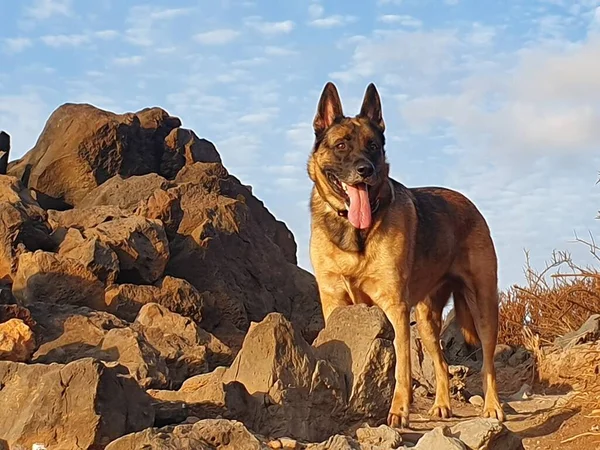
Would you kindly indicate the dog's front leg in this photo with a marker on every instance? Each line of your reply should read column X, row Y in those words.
column 398, row 313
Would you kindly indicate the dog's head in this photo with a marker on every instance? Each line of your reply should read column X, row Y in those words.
column 347, row 164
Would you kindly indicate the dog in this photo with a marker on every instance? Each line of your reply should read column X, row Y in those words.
column 377, row 242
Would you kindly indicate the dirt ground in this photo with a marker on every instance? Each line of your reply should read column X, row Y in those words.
column 544, row 421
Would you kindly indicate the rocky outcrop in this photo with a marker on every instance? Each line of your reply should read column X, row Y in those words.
column 80, row 405
column 17, row 341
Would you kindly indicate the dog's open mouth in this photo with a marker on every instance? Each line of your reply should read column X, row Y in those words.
column 357, row 201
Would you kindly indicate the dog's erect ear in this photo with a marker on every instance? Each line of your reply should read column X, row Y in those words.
column 329, row 109
column 371, row 107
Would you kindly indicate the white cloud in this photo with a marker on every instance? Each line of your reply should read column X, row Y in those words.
column 128, row 60
column 44, row 9
column 146, row 23
column 65, row 40
column 272, row 50
column 217, row 37
column 260, row 117
column 169, row 13
column 16, row 45
column 336, row 20
column 315, row 10
column 106, row 34
column 269, row 28
column 400, row 19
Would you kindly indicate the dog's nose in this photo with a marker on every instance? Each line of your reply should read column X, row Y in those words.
column 365, row 170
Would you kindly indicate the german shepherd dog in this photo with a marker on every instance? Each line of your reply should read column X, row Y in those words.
column 377, row 242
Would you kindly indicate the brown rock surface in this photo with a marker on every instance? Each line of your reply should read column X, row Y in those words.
column 23, row 226
column 17, row 341
column 125, row 193
column 94, row 254
column 81, row 147
column 208, row 434
column 81, row 405
column 179, row 296
column 140, row 244
column 53, row 278
column 358, row 340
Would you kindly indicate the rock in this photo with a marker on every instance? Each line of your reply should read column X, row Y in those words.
column 439, row 439
column 358, row 340
column 183, row 147
column 208, row 434
column 23, row 226
column 83, row 218
column 81, row 147
column 125, row 193
column 17, row 341
column 337, row 442
column 129, row 349
column 520, row 356
column 526, row 392
column 307, row 395
column 486, row 434
column 140, row 244
column 207, row 396
column 380, row 437
column 456, row 350
column 53, row 278
column 422, row 368
column 95, row 255
column 588, row 332
column 304, row 396
column 83, row 404
column 164, row 206
column 502, row 354
column 227, row 247
column 179, row 296
column 477, row 401
column 187, row 349
column 12, row 311
column 67, row 333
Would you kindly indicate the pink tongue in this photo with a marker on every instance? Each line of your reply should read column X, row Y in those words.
column 359, row 213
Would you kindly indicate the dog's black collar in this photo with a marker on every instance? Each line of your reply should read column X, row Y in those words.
column 374, row 209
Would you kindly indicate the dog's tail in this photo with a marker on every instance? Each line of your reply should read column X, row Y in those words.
column 464, row 318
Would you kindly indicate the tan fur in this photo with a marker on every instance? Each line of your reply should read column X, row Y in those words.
column 424, row 245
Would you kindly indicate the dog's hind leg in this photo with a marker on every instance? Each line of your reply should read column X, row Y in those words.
column 429, row 322
column 480, row 296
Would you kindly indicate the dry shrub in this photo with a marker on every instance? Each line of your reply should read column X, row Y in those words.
column 552, row 303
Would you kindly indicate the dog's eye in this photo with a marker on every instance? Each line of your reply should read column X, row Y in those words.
column 340, row 146
column 373, row 146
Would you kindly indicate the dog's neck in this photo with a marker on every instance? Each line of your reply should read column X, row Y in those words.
column 340, row 230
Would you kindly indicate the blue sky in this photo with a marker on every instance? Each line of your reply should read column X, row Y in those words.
column 500, row 100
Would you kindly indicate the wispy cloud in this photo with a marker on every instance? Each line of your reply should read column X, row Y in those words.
column 16, row 45
column 404, row 20
column 65, row 40
column 269, row 28
column 44, row 9
column 336, row 20
column 217, row 37
column 128, row 60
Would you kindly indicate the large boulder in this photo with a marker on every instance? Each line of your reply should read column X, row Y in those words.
column 140, row 244
column 208, row 434
column 125, row 193
column 80, row 405
column 81, row 147
column 23, row 226
column 224, row 248
column 359, row 340
column 179, row 296
column 53, row 278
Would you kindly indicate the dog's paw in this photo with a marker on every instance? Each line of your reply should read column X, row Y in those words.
column 398, row 419
column 494, row 412
column 441, row 411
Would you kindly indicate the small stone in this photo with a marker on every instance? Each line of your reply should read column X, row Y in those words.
column 476, row 400
column 380, row 437
column 276, row 444
column 17, row 341
column 438, row 439
column 525, row 393
column 289, row 443
column 421, row 391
